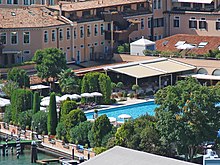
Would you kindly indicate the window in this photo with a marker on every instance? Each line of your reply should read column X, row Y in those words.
column 158, row 22
column 15, row 2
column 3, row 38
column 159, row 4
column 142, row 23
column 202, row 23
column 26, row 52
column 9, row 1
column 88, row 31
column 96, row 30
column 202, row 44
column 96, row 43
column 67, row 33
column 217, row 24
column 14, row 37
column 193, row 23
column 68, row 48
column 185, row 4
column 0, row 1
column 74, row 33
column 32, row 2
column 149, row 22
column 102, row 29
column 82, row 46
column 26, row 2
column 61, row 34
column 102, row 43
column 53, row 36
column 176, row 22
column 155, row 4
column 26, row 37
column 51, row 2
column 45, row 36
column 81, row 32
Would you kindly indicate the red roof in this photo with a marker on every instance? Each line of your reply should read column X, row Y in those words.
column 168, row 44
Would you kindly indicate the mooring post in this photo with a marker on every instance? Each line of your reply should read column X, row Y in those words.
column 88, row 155
column 33, row 152
column 3, row 150
column 73, row 153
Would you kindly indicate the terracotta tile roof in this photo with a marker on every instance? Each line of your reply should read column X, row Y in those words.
column 93, row 4
column 24, row 17
column 213, row 43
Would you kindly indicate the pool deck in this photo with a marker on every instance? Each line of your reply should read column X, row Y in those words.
column 129, row 101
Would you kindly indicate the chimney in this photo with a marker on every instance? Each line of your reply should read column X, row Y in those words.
column 60, row 11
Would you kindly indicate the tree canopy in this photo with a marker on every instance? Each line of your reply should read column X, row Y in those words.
column 50, row 62
column 187, row 115
column 19, row 76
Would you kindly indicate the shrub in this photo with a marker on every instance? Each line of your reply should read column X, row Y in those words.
column 66, row 107
column 131, row 95
column 39, row 120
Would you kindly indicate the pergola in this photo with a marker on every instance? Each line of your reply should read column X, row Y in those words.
column 151, row 68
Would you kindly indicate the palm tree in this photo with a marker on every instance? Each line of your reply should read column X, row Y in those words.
column 68, row 81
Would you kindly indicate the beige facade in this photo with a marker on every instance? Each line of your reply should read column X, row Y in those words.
column 27, row 2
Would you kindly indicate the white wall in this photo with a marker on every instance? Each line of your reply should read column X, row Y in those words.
column 137, row 50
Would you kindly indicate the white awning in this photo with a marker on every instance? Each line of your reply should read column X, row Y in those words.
column 203, row 77
column 194, row 1
column 35, row 87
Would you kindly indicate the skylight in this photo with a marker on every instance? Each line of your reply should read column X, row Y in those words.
column 180, row 43
column 202, row 44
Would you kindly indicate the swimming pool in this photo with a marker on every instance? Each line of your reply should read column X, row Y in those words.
column 134, row 110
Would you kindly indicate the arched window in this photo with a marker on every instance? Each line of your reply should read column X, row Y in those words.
column 202, row 71
column 216, row 72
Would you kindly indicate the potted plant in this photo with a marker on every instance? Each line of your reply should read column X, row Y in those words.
column 95, row 114
column 135, row 88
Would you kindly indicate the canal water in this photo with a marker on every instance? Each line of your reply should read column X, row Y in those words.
column 24, row 159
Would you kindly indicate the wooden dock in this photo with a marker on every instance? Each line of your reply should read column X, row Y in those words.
column 47, row 161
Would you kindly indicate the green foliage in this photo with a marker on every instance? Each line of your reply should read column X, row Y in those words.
column 80, row 132
column 105, row 87
column 113, row 86
column 36, row 103
column 213, row 53
column 49, row 62
column 187, row 115
column 21, row 100
column 39, row 121
column 74, row 118
column 7, row 115
column 100, row 128
column 24, row 119
column 151, row 52
column 20, row 76
column 9, row 87
column 120, row 85
column 135, row 88
column 61, row 131
column 52, row 115
column 123, row 48
column 99, row 82
column 99, row 150
column 66, row 107
column 68, row 81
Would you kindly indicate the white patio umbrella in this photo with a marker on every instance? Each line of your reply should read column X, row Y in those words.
column 4, row 102
column 43, row 108
column 86, row 95
column 45, row 103
column 58, row 99
column 76, row 95
column 64, row 97
column 124, row 116
column 96, row 94
column 112, row 119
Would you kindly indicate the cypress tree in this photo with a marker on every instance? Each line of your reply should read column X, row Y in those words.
column 36, row 103
column 52, row 115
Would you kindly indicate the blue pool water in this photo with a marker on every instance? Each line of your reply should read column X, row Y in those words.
column 134, row 110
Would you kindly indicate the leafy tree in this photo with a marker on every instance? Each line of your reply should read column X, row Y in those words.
column 105, row 87
column 66, row 107
column 74, row 118
column 68, row 81
column 7, row 115
column 123, row 48
column 50, row 62
column 61, row 131
column 39, row 121
column 99, row 150
column 100, row 128
column 120, row 85
column 36, row 103
column 9, row 87
column 113, row 86
column 24, row 119
column 20, row 76
column 21, row 100
column 52, row 115
column 135, row 88
column 187, row 115
column 80, row 132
